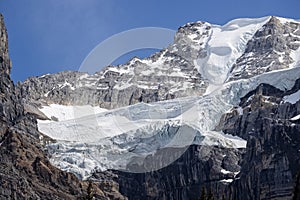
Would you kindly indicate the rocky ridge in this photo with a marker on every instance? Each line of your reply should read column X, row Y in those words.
column 165, row 75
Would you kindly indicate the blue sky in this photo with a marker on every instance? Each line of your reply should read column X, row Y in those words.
column 49, row 36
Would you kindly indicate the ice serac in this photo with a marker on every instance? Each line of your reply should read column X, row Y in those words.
column 271, row 48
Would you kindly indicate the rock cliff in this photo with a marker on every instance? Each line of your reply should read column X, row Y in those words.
column 25, row 171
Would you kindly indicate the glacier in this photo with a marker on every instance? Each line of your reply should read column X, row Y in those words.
column 90, row 138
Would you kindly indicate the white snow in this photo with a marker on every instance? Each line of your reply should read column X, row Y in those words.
column 122, row 85
column 62, row 112
column 225, row 171
column 43, row 76
column 285, row 20
column 227, row 180
column 225, row 45
column 295, row 55
column 66, row 84
column 240, row 110
column 236, row 173
column 293, row 98
column 297, row 117
column 47, row 93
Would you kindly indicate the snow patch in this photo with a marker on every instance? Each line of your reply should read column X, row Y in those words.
column 223, row 171
column 227, row 180
column 297, row 117
column 293, row 98
column 62, row 112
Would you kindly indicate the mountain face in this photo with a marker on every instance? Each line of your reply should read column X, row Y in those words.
column 23, row 163
column 168, row 74
column 270, row 124
column 216, row 111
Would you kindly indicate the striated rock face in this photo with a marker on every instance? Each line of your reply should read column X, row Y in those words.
column 271, row 46
column 208, row 167
column 137, row 81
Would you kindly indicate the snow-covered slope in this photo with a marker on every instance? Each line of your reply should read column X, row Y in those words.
column 227, row 43
column 207, row 70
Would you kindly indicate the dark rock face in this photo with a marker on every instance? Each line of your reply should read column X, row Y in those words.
column 271, row 163
column 199, row 167
column 9, row 109
column 4, row 58
column 25, row 171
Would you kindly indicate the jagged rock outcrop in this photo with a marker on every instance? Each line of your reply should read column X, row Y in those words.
column 180, row 70
column 9, row 109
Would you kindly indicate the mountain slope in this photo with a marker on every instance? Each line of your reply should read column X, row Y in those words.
column 206, row 91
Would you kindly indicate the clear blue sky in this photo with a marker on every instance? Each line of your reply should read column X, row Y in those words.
column 47, row 36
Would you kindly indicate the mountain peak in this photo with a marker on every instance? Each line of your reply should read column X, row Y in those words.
column 274, row 46
column 274, row 19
